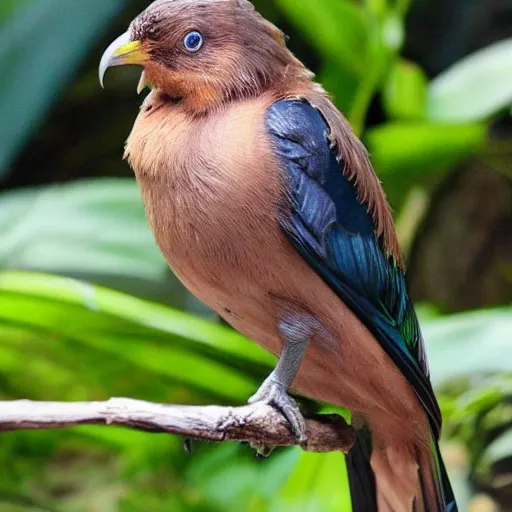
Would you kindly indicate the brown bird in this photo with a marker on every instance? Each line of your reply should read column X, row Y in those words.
column 267, row 208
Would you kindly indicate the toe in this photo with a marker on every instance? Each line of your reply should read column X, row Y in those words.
column 274, row 394
column 296, row 421
column 291, row 412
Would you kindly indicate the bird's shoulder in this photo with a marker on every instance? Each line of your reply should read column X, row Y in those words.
column 314, row 171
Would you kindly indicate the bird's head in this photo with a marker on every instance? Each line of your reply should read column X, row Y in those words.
column 203, row 52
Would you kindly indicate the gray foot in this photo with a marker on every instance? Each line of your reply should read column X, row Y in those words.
column 275, row 394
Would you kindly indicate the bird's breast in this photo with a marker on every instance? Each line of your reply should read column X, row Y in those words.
column 211, row 189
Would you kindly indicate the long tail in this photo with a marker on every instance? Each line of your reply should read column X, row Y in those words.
column 386, row 485
column 436, row 490
column 363, row 489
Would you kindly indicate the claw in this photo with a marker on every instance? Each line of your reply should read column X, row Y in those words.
column 273, row 393
column 262, row 452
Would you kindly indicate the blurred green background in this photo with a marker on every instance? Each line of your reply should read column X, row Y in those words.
column 88, row 309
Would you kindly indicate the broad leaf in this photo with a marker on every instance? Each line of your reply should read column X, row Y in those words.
column 343, row 36
column 92, row 227
column 318, row 482
column 406, row 154
column 405, row 91
column 475, row 88
column 147, row 336
column 469, row 344
column 41, row 47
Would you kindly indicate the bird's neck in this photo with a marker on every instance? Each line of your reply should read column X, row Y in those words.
column 200, row 95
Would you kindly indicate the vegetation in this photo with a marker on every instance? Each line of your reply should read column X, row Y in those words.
column 88, row 309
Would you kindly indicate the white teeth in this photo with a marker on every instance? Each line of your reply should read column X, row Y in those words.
column 142, row 83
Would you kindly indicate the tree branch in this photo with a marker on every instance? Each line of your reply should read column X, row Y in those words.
column 258, row 423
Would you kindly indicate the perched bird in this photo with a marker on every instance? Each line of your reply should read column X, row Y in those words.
column 266, row 206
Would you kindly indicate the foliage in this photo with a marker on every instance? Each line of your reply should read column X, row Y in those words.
column 64, row 32
column 475, row 88
column 65, row 338
column 173, row 356
column 56, row 229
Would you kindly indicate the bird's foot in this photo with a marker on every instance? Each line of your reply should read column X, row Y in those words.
column 275, row 394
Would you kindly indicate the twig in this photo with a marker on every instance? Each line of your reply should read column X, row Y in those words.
column 258, row 423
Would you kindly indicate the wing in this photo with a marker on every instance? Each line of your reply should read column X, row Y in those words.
column 335, row 234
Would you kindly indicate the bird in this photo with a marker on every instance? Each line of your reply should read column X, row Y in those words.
column 266, row 206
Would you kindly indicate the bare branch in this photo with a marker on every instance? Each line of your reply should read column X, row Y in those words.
column 258, row 423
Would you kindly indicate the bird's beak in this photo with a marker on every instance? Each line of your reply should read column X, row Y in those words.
column 124, row 51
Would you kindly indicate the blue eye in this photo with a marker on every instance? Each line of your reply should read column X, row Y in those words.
column 193, row 41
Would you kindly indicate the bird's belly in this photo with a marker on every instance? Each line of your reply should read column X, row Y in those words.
column 244, row 268
column 237, row 279
column 344, row 365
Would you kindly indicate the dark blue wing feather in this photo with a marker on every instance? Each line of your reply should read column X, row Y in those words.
column 334, row 233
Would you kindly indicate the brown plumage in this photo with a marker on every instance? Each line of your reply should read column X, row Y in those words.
column 252, row 60
column 213, row 189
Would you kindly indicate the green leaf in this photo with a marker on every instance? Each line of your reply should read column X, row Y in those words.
column 380, row 58
column 469, row 344
column 151, row 337
column 16, row 502
column 475, row 88
column 405, row 91
column 94, row 227
column 475, row 401
column 41, row 47
column 233, row 479
column 413, row 149
column 343, row 37
column 341, row 84
column 9, row 7
column 406, row 154
column 318, row 482
column 378, row 8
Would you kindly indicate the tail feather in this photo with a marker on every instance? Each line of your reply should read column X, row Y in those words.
column 433, row 493
column 363, row 489
column 436, row 490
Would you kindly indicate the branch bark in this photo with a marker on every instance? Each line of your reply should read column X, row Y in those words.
column 258, row 424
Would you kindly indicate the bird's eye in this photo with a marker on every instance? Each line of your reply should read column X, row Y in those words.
column 193, row 41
